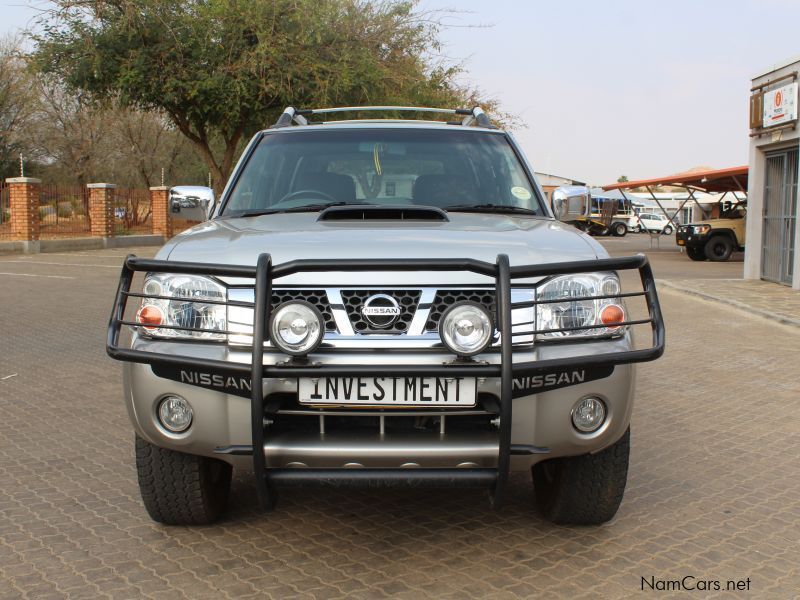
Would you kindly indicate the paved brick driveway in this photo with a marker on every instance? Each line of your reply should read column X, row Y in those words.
column 714, row 488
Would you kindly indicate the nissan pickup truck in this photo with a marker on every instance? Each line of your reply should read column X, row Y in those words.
column 382, row 302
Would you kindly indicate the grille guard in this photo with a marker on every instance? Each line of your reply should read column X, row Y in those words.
column 265, row 273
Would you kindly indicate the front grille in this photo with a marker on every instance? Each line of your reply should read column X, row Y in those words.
column 406, row 299
column 316, row 297
column 446, row 298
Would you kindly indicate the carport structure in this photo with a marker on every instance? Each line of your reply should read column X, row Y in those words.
column 724, row 181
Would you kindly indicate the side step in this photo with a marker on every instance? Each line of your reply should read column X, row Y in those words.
column 465, row 478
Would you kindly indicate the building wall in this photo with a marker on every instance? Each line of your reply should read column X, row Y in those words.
column 549, row 182
column 759, row 147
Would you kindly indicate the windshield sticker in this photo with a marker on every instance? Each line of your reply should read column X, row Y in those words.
column 521, row 193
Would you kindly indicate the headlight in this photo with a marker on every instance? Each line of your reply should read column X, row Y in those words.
column 579, row 317
column 296, row 327
column 179, row 302
column 701, row 229
column 466, row 328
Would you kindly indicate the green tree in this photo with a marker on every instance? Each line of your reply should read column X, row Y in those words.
column 622, row 179
column 223, row 69
column 16, row 102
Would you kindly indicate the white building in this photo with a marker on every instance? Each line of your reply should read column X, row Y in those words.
column 773, row 235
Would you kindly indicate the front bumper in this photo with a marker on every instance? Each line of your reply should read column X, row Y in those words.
column 531, row 423
column 222, row 420
column 684, row 237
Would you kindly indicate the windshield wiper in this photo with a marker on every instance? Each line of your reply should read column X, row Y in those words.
column 490, row 208
column 294, row 209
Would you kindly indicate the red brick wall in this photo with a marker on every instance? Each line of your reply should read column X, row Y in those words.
column 101, row 208
column 162, row 216
column 24, row 207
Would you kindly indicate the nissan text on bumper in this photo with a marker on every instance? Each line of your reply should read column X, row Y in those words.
column 372, row 324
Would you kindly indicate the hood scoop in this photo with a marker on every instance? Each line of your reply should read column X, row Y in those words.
column 401, row 212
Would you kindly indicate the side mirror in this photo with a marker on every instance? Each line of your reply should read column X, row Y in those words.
column 192, row 202
column 571, row 203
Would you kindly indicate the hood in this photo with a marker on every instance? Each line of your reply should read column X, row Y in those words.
column 717, row 222
column 290, row 236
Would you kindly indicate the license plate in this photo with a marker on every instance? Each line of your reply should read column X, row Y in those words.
column 389, row 391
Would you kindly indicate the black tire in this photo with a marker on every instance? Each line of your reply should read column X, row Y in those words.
column 181, row 489
column 583, row 490
column 619, row 229
column 667, row 230
column 642, row 228
column 719, row 248
column 695, row 253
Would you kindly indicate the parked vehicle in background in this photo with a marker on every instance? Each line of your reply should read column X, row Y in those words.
column 606, row 216
column 622, row 215
column 716, row 239
column 652, row 222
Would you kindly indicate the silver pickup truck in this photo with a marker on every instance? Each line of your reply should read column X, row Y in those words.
column 382, row 302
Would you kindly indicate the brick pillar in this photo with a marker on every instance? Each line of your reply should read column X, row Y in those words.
column 162, row 216
column 24, row 207
column 101, row 209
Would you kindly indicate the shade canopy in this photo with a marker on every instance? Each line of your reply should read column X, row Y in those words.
column 732, row 179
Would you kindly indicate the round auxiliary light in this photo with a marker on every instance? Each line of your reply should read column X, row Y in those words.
column 150, row 316
column 175, row 414
column 296, row 327
column 466, row 328
column 588, row 414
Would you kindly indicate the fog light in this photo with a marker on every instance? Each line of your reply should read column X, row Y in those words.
column 588, row 414
column 175, row 414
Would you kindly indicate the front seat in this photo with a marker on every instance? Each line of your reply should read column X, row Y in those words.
column 339, row 187
column 444, row 190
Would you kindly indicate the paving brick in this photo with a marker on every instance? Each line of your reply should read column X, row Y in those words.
column 714, row 485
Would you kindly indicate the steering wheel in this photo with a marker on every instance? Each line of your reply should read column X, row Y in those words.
column 305, row 193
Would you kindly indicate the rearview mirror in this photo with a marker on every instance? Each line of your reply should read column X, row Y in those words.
column 571, row 203
column 192, row 202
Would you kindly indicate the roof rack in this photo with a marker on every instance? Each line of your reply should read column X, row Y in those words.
column 472, row 116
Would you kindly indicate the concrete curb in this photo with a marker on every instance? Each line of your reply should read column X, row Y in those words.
column 772, row 316
column 84, row 243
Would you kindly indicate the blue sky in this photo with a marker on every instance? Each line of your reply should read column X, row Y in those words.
column 640, row 88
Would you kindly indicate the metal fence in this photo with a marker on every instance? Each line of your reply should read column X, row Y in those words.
column 132, row 211
column 179, row 224
column 64, row 211
column 5, row 211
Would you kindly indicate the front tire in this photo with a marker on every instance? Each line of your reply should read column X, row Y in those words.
column 719, row 248
column 583, row 490
column 695, row 253
column 620, row 229
column 181, row 489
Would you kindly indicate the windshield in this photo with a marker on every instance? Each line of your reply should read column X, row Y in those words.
column 456, row 170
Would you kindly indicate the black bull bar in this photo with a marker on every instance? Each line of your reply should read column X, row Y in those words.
column 265, row 273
